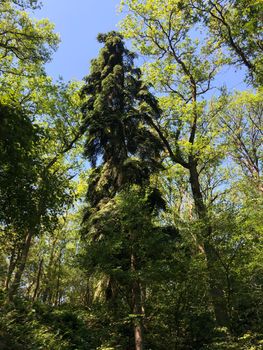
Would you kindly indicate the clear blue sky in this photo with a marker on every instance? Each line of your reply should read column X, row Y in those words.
column 78, row 22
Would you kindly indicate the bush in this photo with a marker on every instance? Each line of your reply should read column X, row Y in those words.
column 33, row 327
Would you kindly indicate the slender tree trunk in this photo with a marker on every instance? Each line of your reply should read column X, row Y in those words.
column 39, row 272
column 215, row 287
column 216, row 290
column 21, row 265
column 138, row 336
column 11, row 268
column 87, row 298
column 47, row 290
column 29, row 288
column 137, row 307
column 57, row 294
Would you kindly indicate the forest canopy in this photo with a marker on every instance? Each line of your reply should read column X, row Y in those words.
column 131, row 200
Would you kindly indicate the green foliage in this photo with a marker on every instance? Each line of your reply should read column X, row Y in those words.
column 225, row 341
column 39, row 120
column 26, row 326
column 172, row 224
column 18, row 165
column 236, row 25
column 22, row 39
column 116, row 109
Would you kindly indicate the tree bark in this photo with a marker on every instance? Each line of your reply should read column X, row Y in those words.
column 136, row 307
column 215, row 287
column 38, row 279
column 21, row 265
column 11, row 267
column 47, row 293
column 58, row 292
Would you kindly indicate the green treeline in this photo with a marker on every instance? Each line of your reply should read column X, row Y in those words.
column 131, row 202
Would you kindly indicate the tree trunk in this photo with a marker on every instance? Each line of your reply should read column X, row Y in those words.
column 137, row 307
column 58, row 293
column 21, row 265
column 47, row 293
column 11, row 268
column 38, row 279
column 215, row 287
column 138, row 336
column 216, row 291
column 87, row 298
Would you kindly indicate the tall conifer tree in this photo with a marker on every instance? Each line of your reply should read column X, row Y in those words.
column 119, row 143
column 124, row 152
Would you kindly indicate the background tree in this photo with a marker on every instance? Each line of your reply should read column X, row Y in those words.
column 29, row 174
column 52, row 171
column 23, row 40
column 235, row 25
column 183, row 69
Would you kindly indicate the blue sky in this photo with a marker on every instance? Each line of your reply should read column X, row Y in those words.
column 78, row 22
